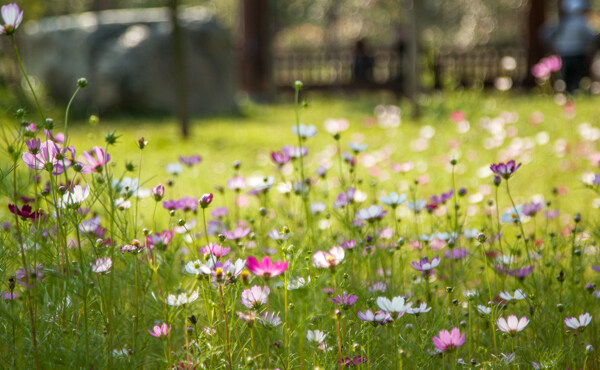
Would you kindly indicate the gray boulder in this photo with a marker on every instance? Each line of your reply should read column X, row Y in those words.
column 127, row 57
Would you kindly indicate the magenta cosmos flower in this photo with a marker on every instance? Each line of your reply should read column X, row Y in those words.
column 505, row 170
column 266, row 268
column 12, row 16
column 95, row 160
column 447, row 341
column 160, row 330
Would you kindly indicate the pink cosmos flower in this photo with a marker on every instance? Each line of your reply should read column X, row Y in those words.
column 512, row 325
column 160, row 331
column 215, row 250
column 447, row 341
column 50, row 156
column 255, row 296
column 205, row 200
column 266, row 268
column 95, row 160
column 505, row 170
column 236, row 183
column 238, row 233
column 160, row 240
column 329, row 259
column 12, row 16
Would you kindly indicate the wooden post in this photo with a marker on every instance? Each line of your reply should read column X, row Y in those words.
column 254, row 49
column 179, row 70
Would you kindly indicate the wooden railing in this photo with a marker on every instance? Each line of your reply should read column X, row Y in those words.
column 324, row 69
column 332, row 69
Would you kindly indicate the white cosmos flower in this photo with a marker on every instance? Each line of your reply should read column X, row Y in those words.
column 297, row 282
column 512, row 325
column 101, row 265
column 304, row 131
column 396, row 305
column 122, row 204
column 74, row 197
column 181, row 299
column 329, row 259
column 484, row 310
column 316, row 336
column 393, row 199
column 419, row 310
column 577, row 323
column 174, row 168
column 518, row 295
column 197, row 268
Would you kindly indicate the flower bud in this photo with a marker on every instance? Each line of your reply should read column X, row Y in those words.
column 205, row 200
column 497, row 180
column 158, row 192
column 82, row 83
column 141, row 143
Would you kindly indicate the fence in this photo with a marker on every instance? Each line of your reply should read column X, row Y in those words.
column 332, row 69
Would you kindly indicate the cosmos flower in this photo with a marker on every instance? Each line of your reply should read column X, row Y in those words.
column 74, row 197
column 516, row 296
column 316, row 336
column 190, row 160
column 95, row 160
column 422, row 308
column 181, row 299
column 397, row 306
column 197, row 268
column 356, row 147
column 205, row 200
column 505, row 170
column 393, row 199
column 514, row 215
column 102, row 265
column 379, row 317
column 255, row 297
column 447, row 341
column 304, row 131
column 373, row 213
column 160, row 240
column 266, row 268
column 346, row 300
column 215, row 250
column 484, row 310
column 336, row 125
column 531, row 209
column 425, row 266
column 12, row 17
column 512, row 325
column 297, row 282
column 25, row 212
column 270, row 319
column 329, row 259
column 578, row 323
column 236, row 183
column 158, row 192
column 51, row 157
column 280, row 158
column 160, row 331
column 237, row 234
column 416, row 206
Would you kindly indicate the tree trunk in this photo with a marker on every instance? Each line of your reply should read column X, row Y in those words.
column 102, row 5
column 179, row 55
column 413, row 73
column 536, row 18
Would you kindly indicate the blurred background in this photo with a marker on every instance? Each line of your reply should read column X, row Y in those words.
column 143, row 56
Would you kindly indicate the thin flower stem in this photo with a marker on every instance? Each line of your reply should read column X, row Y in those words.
column 224, row 311
column 37, row 103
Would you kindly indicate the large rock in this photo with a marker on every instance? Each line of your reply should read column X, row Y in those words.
column 127, row 57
